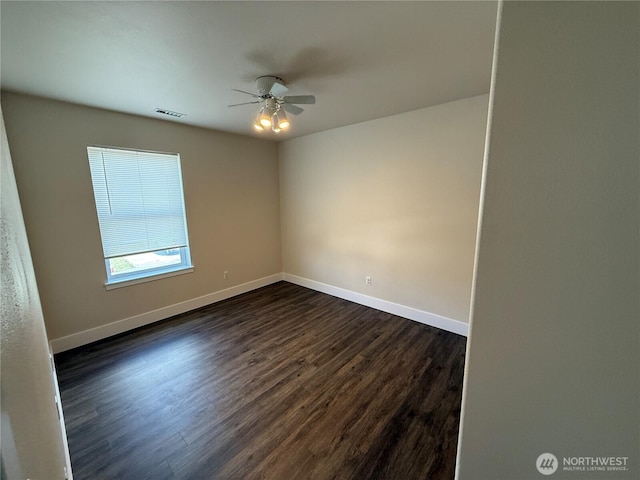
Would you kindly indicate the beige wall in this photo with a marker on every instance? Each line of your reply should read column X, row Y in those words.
column 554, row 354
column 395, row 199
column 231, row 195
column 32, row 440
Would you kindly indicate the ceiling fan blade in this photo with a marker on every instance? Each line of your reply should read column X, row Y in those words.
column 287, row 107
column 278, row 89
column 248, row 93
column 245, row 103
column 300, row 99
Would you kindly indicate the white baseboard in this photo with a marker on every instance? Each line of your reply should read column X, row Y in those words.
column 104, row 331
column 431, row 319
column 94, row 334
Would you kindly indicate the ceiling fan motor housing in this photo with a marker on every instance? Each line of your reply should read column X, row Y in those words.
column 271, row 85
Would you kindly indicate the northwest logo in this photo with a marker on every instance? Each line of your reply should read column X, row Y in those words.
column 547, row 463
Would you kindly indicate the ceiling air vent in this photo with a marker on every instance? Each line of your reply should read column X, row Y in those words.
column 170, row 113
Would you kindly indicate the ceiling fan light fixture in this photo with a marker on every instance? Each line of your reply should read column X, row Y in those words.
column 257, row 125
column 264, row 119
column 279, row 121
column 283, row 121
column 271, row 115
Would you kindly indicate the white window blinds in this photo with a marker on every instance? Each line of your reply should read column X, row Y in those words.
column 139, row 200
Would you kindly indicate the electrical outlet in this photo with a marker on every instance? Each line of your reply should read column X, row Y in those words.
column 226, row 275
column 367, row 281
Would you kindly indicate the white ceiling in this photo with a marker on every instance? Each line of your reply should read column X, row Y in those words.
column 362, row 60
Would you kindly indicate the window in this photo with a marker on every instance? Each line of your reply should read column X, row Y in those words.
column 140, row 206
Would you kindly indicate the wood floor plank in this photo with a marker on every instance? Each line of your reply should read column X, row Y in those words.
column 279, row 383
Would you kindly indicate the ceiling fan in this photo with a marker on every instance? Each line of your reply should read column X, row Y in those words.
column 271, row 92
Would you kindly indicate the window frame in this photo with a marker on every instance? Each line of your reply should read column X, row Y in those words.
column 148, row 274
column 143, row 275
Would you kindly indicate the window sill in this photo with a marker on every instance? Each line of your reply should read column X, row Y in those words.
column 150, row 278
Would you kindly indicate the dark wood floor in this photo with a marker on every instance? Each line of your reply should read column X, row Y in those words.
column 281, row 383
